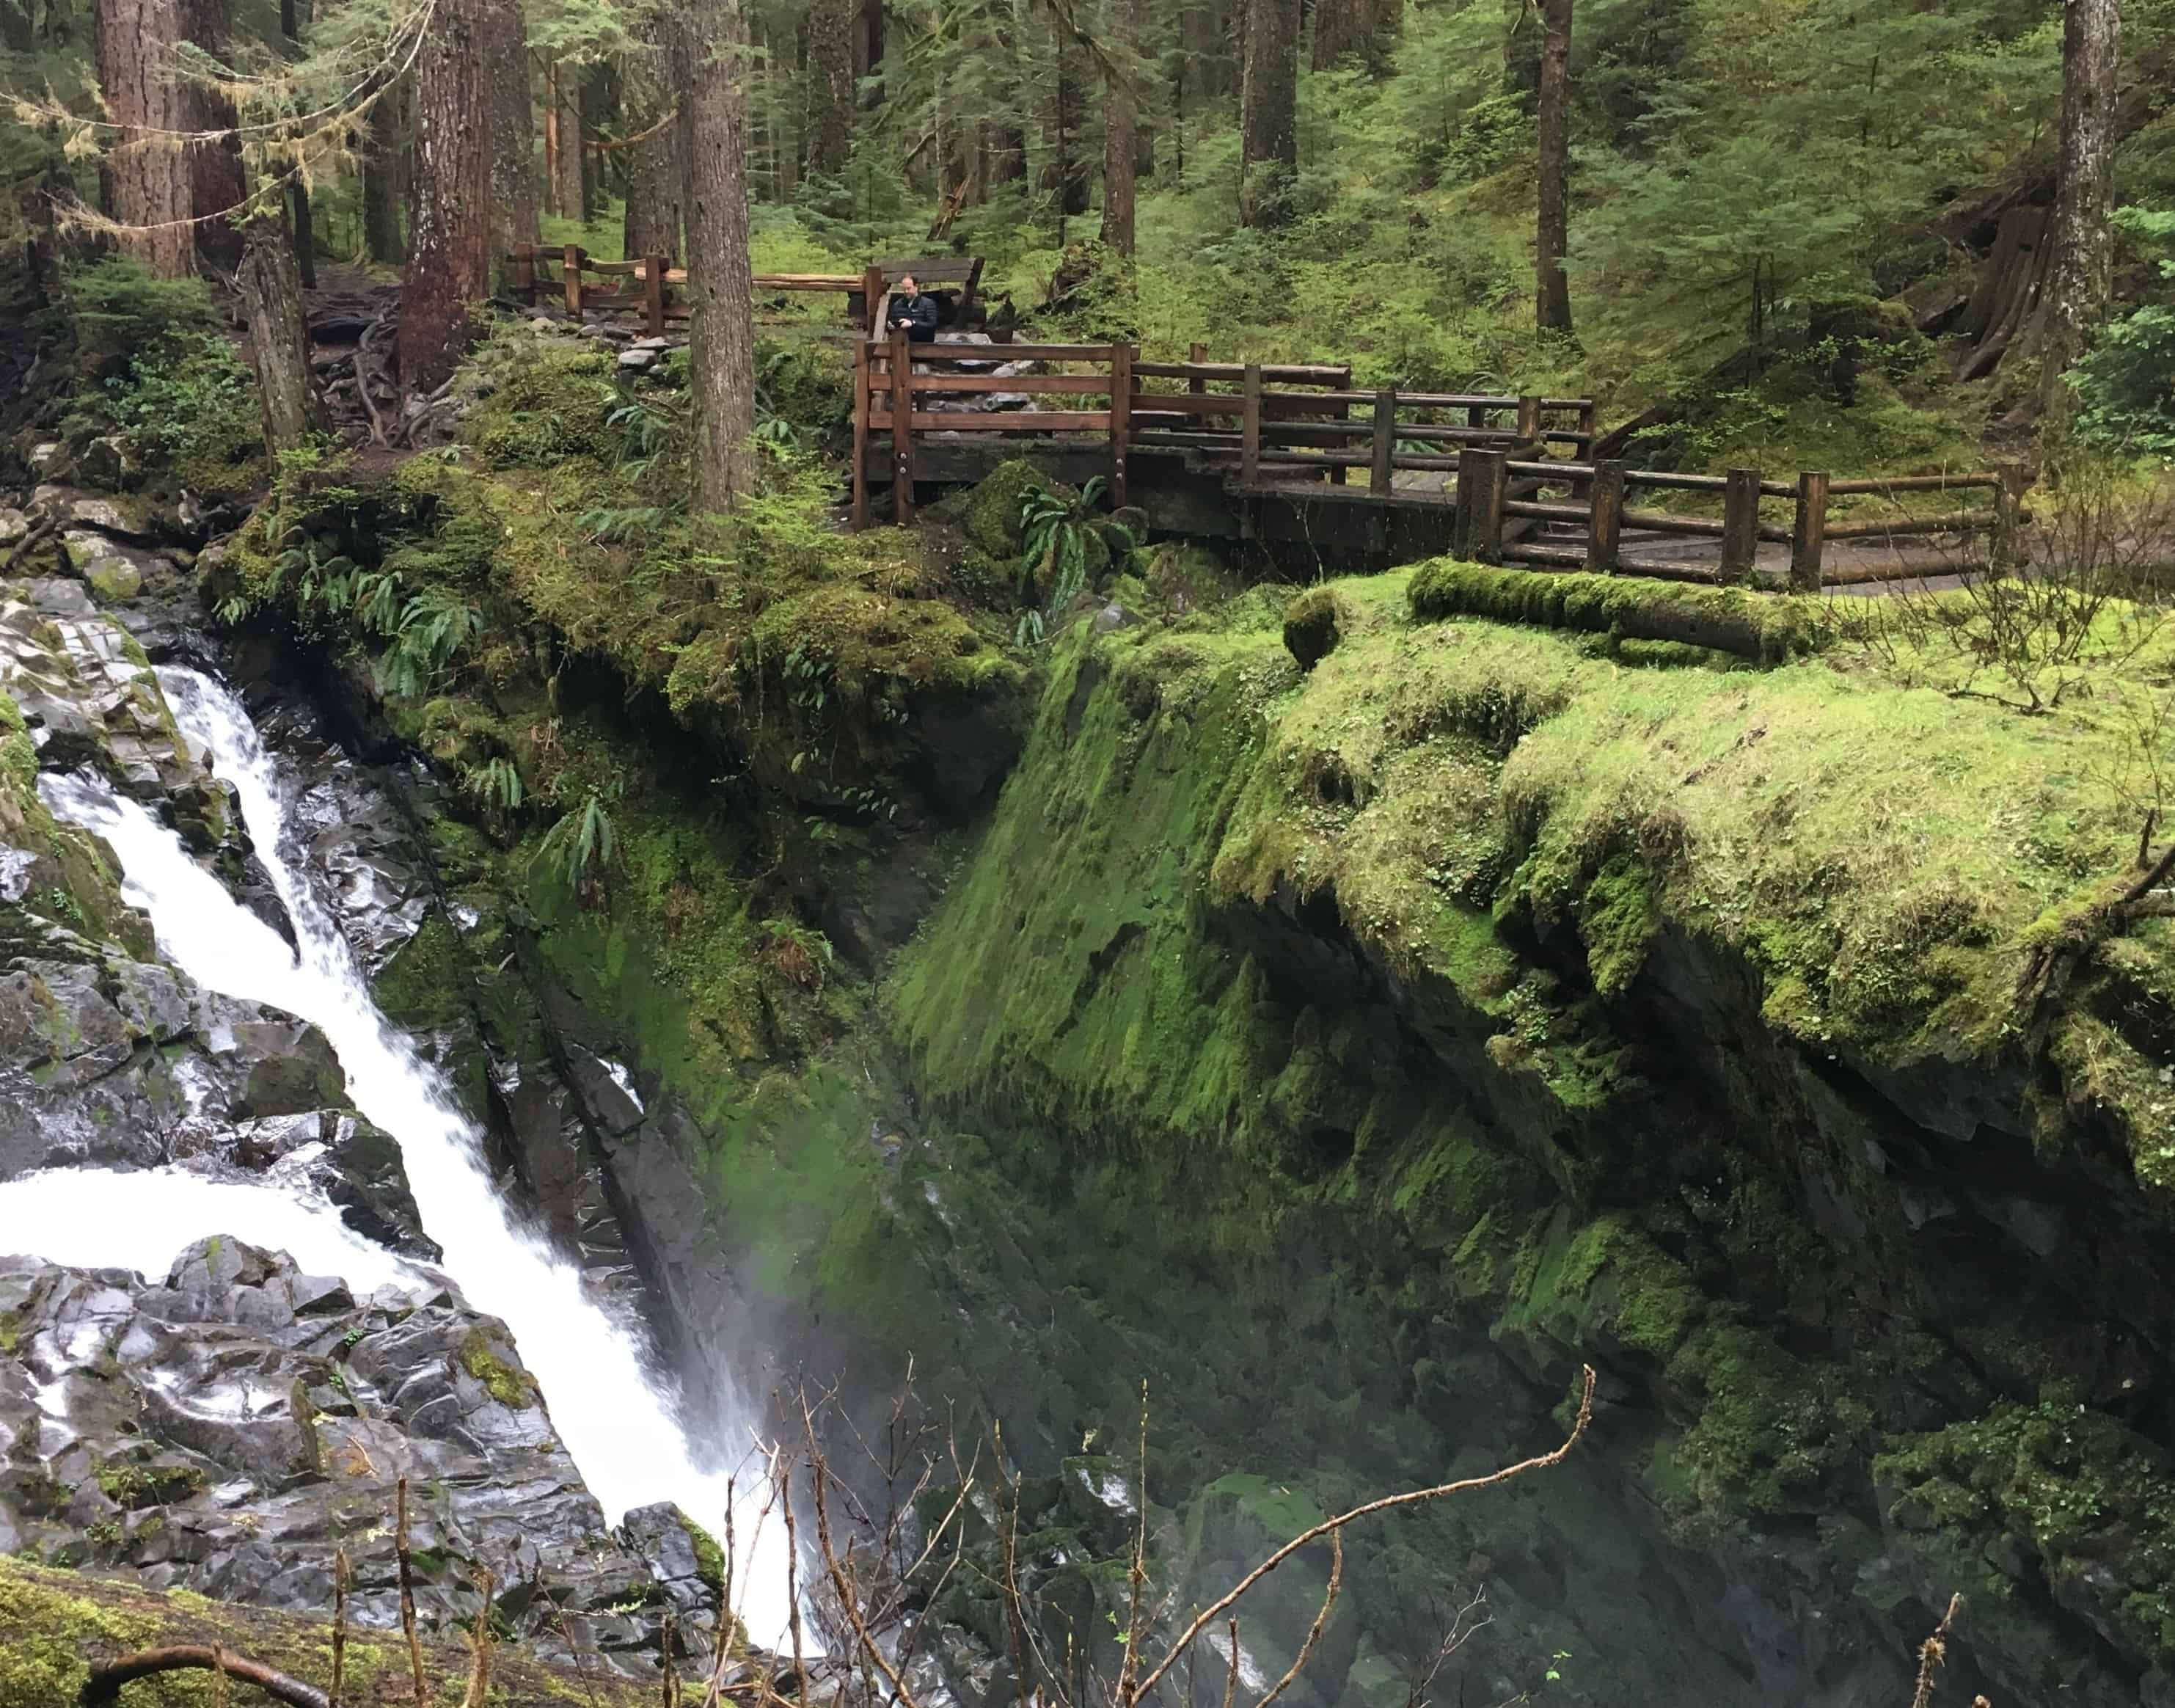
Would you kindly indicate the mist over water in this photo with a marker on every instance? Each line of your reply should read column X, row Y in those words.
column 619, row 1420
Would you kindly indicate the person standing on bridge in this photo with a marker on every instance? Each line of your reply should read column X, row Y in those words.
column 913, row 310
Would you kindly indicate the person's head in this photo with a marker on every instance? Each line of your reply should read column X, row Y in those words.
column 908, row 286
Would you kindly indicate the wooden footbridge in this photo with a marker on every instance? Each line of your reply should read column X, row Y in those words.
column 1293, row 457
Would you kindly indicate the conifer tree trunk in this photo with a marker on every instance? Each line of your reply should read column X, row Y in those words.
column 566, row 159
column 449, row 258
column 150, row 186
column 2080, row 269
column 599, row 99
column 1268, row 106
column 384, row 176
column 298, row 192
column 656, row 176
column 1120, row 125
column 720, row 290
column 271, row 288
column 216, row 184
column 1341, row 27
column 514, row 209
column 831, row 43
column 1552, row 291
column 869, row 42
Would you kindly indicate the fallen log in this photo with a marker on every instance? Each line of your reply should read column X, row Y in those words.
column 103, row 1688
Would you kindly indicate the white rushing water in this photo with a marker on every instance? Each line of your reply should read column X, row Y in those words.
column 619, row 1420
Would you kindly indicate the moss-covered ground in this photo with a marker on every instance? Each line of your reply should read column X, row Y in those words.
column 53, row 1625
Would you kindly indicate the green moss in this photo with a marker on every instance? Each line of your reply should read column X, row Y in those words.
column 1762, row 627
column 1310, row 626
column 508, row 1382
column 709, row 1557
column 2053, row 1492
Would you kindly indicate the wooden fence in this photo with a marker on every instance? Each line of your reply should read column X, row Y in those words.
column 1283, row 429
column 645, row 287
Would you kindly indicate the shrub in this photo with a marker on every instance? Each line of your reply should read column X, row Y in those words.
column 2125, row 385
column 188, row 405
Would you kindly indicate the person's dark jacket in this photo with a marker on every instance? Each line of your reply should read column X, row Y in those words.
column 917, row 314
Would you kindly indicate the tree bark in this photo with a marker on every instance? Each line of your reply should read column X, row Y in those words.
column 598, row 97
column 271, row 287
column 217, row 185
column 1120, row 125
column 720, row 292
column 150, row 186
column 656, row 177
column 2081, row 270
column 449, row 262
column 298, row 192
column 1551, row 290
column 513, row 200
column 831, row 24
column 1341, row 27
column 384, row 176
column 565, row 89
column 1268, row 106
column 868, row 44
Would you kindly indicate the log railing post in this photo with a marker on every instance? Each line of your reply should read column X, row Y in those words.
column 2008, row 506
column 524, row 271
column 1121, row 418
column 1809, row 532
column 861, row 401
column 1589, row 428
column 1604, row 536
column 1529, row 421
column 1740, row 524
column 653, row 293
column 1491, row 480
column 570, row 278
column 1250, row 428
column 872, row 290
column 1383, row 475
column 902, row 429
column 1195, row 383
column 1476, row 417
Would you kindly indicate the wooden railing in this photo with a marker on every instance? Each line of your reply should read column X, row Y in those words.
column 645, row 287
column 1487, row 505
column 1272, row 427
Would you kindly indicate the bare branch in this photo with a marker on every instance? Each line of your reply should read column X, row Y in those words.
column 1932, row 1652
column 1416, row 1497
column 103, row 1687
column 848, row 1600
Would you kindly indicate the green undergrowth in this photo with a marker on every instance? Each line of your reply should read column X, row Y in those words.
column 54, row 1624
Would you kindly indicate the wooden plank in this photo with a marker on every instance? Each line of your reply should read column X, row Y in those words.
column 860, row 511
column 1661, row 522
column 1537, row 510
column 1484, row 501
column 927, row 353
column 1282, row 373
column 1249, row 425
column 1914, row 483
column 902, row 425
column 1089, row 384
column 1903, row 527
column 1025, row 423
column 613, row 269
column 1740, row 522
column 1121, row 397
column 806, row 281
column 570, row 274
column 1604, row 517
column 1384, row 448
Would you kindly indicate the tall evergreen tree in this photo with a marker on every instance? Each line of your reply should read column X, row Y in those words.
column 513, row 197
column 1120, row 124
column 2080, row 269
column 449, row 255
column 1552, row 294
column 563, row 90
column 720, row 286
column 216, row 183
column 656, row 176
column 1268, row 120
column 151, row 188
column 830, row 38
column 385, row 176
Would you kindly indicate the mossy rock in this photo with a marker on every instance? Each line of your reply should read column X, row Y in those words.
column 1313, row 625
column 989, row 514
column 114, row 580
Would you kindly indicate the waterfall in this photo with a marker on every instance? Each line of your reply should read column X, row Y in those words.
column 619, row 1420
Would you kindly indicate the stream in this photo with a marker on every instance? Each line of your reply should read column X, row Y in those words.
column 618, row 1416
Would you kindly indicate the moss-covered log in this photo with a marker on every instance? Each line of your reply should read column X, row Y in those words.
column 1761, row 628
